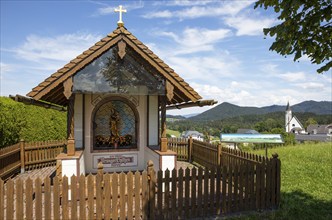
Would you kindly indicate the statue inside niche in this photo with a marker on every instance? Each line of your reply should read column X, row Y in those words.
column 114, row 125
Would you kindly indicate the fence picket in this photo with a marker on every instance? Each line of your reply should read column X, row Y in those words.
column 200, row 210
column 56, row 198
column 206, row 191
column 193, row 193
column 64, row 199
column 180, row 193
column 10, row 199
column 186, row 196
column 2, row 205
column 145, row 196
column 229, row 189
column 218, row 191
column 47, row 198
column 38, row 199
column 19, row 199
column 91, row 206
column 166, row 194
column 174, row 208
column 107, row 200
column 138, row 195
column 130, row 188
column 28, row 199
column 73, row 197
column 160, row 194
column 82, row 198
column 122, row 184
column 99, row 196
column 212, row 192
column 223, row 191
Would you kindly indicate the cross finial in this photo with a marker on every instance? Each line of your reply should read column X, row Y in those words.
column 120, row 10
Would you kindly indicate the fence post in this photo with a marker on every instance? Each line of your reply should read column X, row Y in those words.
column 22, row 153
column 219, row 154
column 190, row 148
column 100, row 172
column 151, row 185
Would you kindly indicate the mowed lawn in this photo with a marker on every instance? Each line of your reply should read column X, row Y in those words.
column 306, row 183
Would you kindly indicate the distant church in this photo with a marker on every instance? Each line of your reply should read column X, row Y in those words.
column 292, row 124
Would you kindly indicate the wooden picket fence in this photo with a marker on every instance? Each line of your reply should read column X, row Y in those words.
column 176, row 194
column 28, row 156
column 180, row 146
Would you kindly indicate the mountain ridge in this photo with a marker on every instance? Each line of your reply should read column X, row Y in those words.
column 228, row 110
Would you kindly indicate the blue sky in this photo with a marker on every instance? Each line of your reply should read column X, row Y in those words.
column 218, row 47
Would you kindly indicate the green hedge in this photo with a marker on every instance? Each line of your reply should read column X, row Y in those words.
column 29, row 122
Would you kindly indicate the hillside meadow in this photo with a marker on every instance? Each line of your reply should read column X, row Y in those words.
column 306, row 183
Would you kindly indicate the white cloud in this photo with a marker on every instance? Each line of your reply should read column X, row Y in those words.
column 194, row 40
column 293, row 76
column 246, row 25
column 4, row 68
column 311, row 85
column 58, row 48
column 220, row 8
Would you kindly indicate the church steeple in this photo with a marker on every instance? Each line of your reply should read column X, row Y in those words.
column 288, row 118
column 288, row 107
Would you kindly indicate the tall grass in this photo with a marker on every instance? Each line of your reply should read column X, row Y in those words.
column 306, row 183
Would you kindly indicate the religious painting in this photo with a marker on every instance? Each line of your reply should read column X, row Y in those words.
column 114, row 126
column 113, row 75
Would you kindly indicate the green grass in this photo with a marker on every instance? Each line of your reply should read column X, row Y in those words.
column 172, row 132
column 306, row 183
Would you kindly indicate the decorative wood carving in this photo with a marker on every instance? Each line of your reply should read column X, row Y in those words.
column 163, row 116
column 122, row 49
column 70, row 127
column 169, row 90
column 67, row 86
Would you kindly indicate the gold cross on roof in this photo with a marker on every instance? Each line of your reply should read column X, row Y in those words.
column 120, row 10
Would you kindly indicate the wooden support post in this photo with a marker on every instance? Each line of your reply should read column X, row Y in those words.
column 219, row 155
column 190, row 149
column 70, row 127
column 151, row 185
column 163, row 139
column 163, row 144
column 22, row 153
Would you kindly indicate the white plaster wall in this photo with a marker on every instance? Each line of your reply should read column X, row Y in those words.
column 82, row 165
column 69, row 168
column 151, row 155
column 78, row 122
column 90, row 102
column 168, row 162
column 153, row 120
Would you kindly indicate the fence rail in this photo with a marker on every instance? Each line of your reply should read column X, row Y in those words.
column 28, row 156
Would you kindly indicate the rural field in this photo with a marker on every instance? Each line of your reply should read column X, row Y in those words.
column 306, row 183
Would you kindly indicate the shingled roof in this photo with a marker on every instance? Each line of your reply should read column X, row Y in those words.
column 51, row 89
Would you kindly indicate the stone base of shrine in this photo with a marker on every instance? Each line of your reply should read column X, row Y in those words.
column 70, row 165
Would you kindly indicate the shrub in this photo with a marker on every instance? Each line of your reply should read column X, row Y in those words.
column 29, row 122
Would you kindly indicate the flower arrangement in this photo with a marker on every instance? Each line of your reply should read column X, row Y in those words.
column 125, row 140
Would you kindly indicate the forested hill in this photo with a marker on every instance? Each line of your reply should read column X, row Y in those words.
column 227, row 110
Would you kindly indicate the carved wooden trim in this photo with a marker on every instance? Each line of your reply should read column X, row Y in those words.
column 169, row 90
column 122, row 49
column 163, row 116
column 67, row 87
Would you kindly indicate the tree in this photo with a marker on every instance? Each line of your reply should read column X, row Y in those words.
column 305, row 29
column 310, row 121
